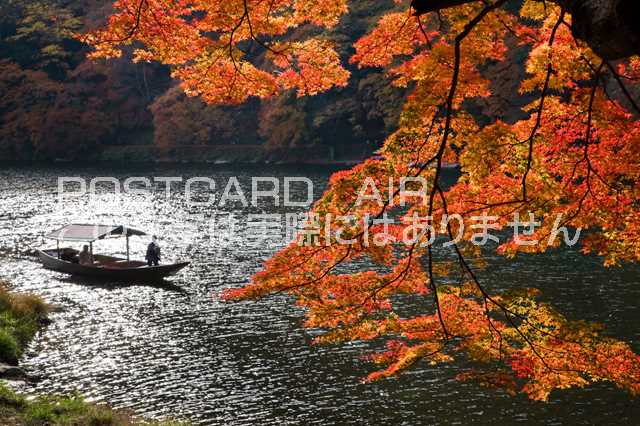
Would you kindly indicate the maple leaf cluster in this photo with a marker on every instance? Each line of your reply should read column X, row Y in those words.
column 212, row 45
column 576, row 155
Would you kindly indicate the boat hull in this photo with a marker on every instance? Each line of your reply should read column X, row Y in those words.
column 140, row 273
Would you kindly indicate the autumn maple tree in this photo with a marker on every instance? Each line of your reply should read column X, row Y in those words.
column 572, row 162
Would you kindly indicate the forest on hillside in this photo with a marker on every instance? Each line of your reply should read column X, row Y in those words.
column 55, row 104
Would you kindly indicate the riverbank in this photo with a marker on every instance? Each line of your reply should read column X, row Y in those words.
column 17, row 410
column 318, row 155
column 21, row 317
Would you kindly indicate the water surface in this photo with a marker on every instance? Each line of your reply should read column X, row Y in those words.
column 176, row 350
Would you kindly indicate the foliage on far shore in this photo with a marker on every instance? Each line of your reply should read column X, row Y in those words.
column 57, row 104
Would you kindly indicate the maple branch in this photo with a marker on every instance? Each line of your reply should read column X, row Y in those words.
column 607, row 26
column 421, row 7
column 319, row 278
column 137, row 16
column 585, row 157
column 615, row 74
column 445, row 137
column 424, row 33
column 538, row 121
column 461, row 258
column 434, row 289
column 623, row 87
column 508, row 313
column 399, row 277
column 592, row 98
column 485, row 295
column 253, row 36
column 389, row 40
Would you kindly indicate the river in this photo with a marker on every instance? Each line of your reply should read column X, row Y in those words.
column 176, row 350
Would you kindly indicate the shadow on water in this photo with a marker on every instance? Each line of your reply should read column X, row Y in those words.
column 93, row 282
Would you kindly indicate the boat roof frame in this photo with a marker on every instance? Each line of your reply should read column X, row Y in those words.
column 89, row 233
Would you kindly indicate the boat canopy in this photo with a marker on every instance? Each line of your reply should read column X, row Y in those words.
column 90, row 233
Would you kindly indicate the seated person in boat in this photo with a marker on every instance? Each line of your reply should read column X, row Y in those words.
column 153, row 252
column 85, row 256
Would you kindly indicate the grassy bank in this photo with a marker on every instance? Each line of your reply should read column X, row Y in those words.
column 16, row 410
column 21, row 316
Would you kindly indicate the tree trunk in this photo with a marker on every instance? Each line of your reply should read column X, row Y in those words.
column 609, row 27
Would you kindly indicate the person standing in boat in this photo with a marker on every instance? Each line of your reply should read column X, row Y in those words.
column 153, row 252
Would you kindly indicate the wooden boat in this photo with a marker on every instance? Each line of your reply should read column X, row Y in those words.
column 103, row 267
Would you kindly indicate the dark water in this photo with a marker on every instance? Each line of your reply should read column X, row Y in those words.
column 177, row 351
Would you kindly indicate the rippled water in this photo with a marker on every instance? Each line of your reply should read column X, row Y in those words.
column 175, row 350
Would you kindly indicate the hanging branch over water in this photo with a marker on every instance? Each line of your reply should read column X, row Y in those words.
column 572, row 162
column 609, row 27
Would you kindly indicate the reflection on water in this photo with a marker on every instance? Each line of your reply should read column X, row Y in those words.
column 176, row 350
